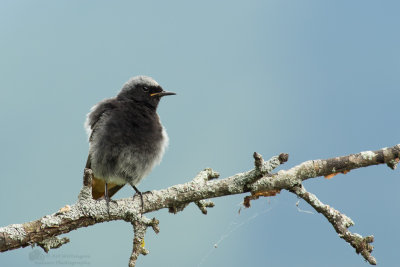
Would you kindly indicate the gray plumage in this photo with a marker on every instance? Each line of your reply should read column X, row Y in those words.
column 126, row 138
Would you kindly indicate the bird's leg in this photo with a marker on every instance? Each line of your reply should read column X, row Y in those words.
column 106, row 197
column 141, row 196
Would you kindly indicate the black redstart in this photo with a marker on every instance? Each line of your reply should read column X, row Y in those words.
column 126, row 138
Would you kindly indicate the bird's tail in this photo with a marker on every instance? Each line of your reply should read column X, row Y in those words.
column 98, row 188
column 99, row 185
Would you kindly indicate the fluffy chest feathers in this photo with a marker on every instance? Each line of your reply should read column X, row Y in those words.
column 126, row 141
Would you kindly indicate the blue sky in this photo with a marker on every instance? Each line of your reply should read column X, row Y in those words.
column 315, row 79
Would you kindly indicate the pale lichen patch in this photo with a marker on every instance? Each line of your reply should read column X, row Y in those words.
column 50, row 221
column 14, row 231
column 367, row 155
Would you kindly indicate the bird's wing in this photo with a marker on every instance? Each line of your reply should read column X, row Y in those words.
column 96, row 113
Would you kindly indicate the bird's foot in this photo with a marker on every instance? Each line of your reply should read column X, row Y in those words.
column 141, row 196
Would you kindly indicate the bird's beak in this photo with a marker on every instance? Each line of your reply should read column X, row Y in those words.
column 163, row 93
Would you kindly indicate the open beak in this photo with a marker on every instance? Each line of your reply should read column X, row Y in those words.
column 163, row 93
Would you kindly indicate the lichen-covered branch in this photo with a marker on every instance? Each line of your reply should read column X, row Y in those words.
column 260, row 181
column 340, row 222
column 140, row 226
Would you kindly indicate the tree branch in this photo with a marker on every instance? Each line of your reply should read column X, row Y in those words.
column 340, row 222
column 259, row 181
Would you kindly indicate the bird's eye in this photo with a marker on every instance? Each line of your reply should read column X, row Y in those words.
column 146, row 89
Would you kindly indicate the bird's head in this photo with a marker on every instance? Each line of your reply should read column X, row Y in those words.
column 143, row 89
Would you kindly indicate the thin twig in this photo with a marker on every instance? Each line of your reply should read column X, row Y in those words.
column 340, row 222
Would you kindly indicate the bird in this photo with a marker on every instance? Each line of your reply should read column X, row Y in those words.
column 126, row 137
